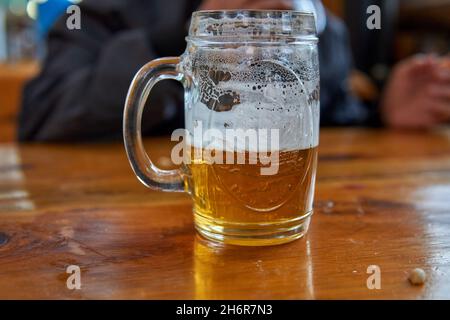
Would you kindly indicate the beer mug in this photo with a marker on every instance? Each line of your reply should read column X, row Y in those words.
column 249, row 148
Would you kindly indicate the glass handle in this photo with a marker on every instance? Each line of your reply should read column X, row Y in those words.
column 149, row 174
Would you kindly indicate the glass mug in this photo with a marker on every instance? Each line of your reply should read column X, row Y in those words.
column 251, row 81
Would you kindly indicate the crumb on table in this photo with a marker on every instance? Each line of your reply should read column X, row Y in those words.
column 417, row 277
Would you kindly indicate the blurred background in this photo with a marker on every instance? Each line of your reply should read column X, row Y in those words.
column 408, row 27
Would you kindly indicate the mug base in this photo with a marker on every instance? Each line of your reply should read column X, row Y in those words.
column 252, row 234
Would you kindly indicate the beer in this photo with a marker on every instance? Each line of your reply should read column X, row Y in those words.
column 236, row 199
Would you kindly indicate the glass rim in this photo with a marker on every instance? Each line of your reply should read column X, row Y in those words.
column 248, row 25
column 253, row 13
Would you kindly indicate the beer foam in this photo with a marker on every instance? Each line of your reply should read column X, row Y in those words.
column 245, row 89
column 232, row 130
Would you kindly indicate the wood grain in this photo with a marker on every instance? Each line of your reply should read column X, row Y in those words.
column 383, row 198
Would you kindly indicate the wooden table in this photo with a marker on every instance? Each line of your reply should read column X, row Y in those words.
column 383, row 198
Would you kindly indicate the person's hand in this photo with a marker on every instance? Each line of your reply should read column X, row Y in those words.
column 246, row 4
column 418, row 94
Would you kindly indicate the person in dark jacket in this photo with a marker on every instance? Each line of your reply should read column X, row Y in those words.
column 81, row 90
